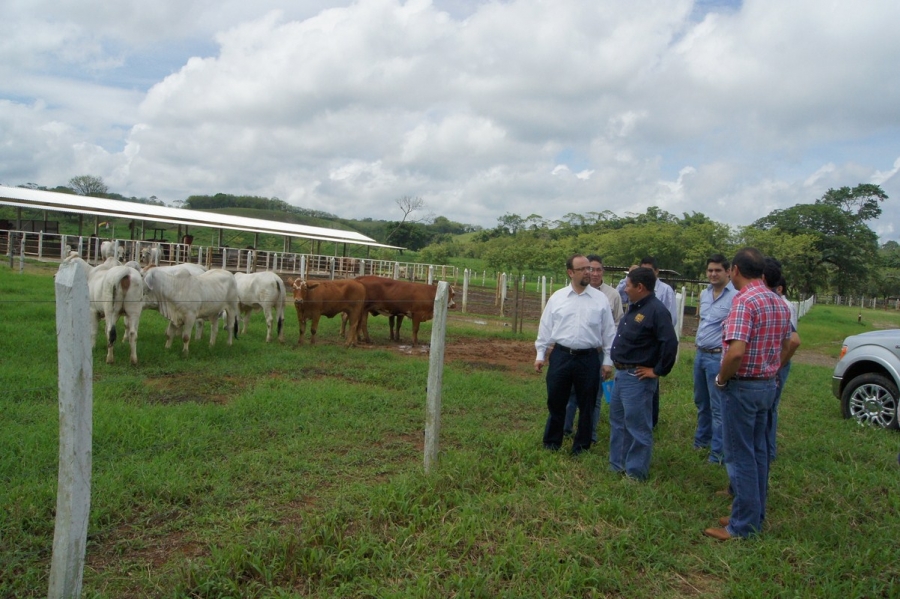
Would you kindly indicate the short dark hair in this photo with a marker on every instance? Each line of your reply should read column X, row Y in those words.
column 643, row 276
column 718, row 259
column 772, row 272
column 651, row 260
column 750, row 262
column 594, row 258
column 571, row 261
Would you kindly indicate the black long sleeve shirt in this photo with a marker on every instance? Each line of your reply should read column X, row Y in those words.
column 646, row 337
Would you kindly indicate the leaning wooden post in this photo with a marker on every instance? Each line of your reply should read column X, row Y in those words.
column 543, row 292
column 435, row 377
column 465, row 291
column 73, row 500
column 22, row 254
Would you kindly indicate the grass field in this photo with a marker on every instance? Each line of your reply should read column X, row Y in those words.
column 284, row 471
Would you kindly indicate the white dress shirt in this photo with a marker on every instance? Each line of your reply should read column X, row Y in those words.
column 577, row 321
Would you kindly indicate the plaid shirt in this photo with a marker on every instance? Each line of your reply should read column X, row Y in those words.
column 761, row 319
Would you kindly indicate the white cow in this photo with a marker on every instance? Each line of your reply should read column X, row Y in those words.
column 114, row 291
column 109, row 249
column 182, row 298
column 194, row 269
column 150, row 255
column 262, row 291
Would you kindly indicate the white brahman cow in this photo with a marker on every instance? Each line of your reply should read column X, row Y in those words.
column 182, row 298
column 114, row 291
column 194, row 269
column 262, row 291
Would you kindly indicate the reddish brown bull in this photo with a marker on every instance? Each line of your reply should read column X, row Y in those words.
column 328, row 298
column 398, row 298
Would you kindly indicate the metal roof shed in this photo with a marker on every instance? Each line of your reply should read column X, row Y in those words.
column 101, row 207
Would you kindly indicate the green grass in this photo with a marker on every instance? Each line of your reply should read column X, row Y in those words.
column 283, row 471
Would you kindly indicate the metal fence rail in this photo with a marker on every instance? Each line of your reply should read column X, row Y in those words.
column 55, row 247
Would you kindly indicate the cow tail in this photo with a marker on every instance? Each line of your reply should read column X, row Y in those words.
column 236, row 319
column 281, row 312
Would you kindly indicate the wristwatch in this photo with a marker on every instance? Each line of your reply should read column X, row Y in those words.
column 720, row 385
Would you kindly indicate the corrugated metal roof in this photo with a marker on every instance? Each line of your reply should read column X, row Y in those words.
column 63, row 202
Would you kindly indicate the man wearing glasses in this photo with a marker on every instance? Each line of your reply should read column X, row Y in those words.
column 578, row 322
column 615, row 303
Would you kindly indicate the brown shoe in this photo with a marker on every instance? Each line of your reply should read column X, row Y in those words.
column 724, row 520
column 726, row 492
column 719, row 534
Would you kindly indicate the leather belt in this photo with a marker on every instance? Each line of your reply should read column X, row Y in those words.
column 620, row 366
column 752, row 378
column 706, row 350
column 575, row 352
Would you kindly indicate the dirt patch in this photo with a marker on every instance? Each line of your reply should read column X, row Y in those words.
column 196, row 386
column 476, row 353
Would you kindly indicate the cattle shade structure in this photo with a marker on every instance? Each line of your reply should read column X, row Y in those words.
column 100, row 207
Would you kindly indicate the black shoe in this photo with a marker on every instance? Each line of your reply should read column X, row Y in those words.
column 551, row 447
column 577, row 451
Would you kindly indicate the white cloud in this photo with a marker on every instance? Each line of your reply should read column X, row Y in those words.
column 344, row 107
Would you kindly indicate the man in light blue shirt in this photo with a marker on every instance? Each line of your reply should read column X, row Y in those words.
column 715, row 305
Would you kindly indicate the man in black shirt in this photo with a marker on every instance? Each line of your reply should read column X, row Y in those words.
column 644, row 350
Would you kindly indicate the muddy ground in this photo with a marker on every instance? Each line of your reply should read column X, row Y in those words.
column 518, row 355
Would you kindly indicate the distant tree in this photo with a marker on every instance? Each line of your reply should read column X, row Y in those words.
column 411, row 235
column 88, row 185
column 407, row 205
column 846, row 247
column 510, row 223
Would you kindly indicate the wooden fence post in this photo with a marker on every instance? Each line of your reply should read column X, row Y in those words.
column 465, row 291
column 73, row 500
column 435, row 377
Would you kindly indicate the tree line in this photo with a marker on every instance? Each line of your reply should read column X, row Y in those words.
column 825, row 247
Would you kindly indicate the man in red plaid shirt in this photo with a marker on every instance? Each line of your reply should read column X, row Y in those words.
column 754, row 334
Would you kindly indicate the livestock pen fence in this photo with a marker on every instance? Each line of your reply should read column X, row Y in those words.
column 862, row 301
column 55, row 247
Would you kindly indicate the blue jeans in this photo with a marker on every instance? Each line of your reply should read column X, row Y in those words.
column 745, row 424
column 708, row 399
column 773, row 416
column 631, row 424
column 564, row 372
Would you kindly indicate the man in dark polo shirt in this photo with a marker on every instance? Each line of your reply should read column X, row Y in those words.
column 644, row 350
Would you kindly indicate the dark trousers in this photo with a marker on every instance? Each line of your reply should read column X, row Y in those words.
column 564, row 373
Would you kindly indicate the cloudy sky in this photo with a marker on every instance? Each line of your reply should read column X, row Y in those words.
column 723, row 107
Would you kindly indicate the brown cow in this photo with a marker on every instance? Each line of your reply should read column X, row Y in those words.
column 328, row 298
column 398, row 298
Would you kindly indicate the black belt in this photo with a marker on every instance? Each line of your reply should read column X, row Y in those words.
column 752, row 378
column 705, row 350
column 620, row 366
column 575, row 352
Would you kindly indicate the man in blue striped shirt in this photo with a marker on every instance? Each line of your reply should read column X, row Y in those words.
column 715, row 304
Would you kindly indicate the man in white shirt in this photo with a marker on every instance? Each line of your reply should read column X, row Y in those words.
column 615, row 303
column 578, row 322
